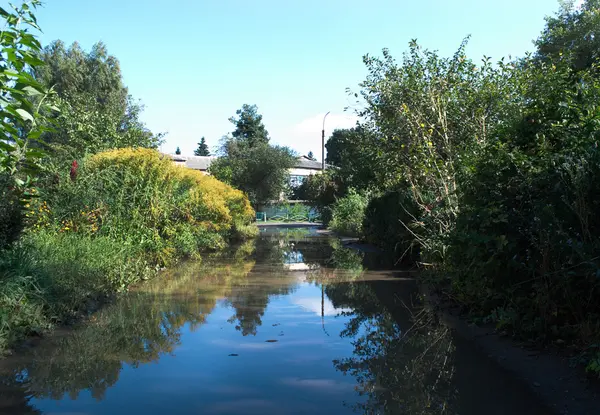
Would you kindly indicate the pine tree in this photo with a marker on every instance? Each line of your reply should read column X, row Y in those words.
column 202, row 149
column 178, row 151
column 311, row 156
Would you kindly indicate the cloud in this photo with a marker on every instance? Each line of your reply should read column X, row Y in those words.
column 314, row 304
column 312, row 126
column 305, row 135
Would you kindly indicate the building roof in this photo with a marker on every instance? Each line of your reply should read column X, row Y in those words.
column 203, row 162
column 306, row 163
column 199, row 162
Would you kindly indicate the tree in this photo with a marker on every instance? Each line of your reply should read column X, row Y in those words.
column 249, row 128
column 96, row 110
column 311, row 156
column 23, row 102
column 249, row 163
column 202, row 149
column 351, row 151
column 178, row 151
column 260, row 171
column 574, row 34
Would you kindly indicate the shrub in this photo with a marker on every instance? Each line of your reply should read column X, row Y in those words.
column 389, row 223
column 11, row 214
column 322, row 191
column 49, row 277
column 141, row 198
column 348, row 213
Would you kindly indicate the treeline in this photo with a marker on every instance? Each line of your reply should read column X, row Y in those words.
column 487, row 175
column 87, row 204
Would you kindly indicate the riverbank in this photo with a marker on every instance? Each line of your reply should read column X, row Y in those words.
column 548, row 374
column 124, row 215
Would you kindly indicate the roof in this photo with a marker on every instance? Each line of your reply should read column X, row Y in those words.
column 203, row 162
column 306, row 163
column 199, row 162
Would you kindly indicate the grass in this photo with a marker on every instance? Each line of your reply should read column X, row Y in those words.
column 128, row 213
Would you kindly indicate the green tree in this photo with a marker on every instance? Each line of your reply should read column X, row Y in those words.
column 261, row 171
column 202, row 149
column 311, row 156
column 349, row 150
column 23, row 101
column 249, row 128
column 249, row 163
column 177, row 151
column 573, row 33
column 96, row 110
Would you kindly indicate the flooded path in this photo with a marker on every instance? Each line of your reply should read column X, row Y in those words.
column 291, row 323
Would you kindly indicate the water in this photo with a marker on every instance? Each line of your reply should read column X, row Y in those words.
column 289, row 324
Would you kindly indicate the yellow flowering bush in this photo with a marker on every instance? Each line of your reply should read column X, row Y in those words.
column 142, row 197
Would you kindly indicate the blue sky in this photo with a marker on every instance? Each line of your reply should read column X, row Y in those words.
column 194, row 62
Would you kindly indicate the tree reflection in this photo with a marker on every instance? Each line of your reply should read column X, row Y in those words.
column 136, row 329
column 399, row 370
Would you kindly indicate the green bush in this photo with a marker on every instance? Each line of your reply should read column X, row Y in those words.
column 11, row 213
column 322, row 191
column 389, row 223
column 48, row 277
column 141, row 198
column 348, row 213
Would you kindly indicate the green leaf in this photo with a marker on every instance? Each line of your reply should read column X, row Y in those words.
column 7, row 147
column 24, row 114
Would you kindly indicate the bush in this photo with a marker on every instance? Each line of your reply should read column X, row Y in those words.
column 47, row 278
column 389, row 223
column 322, row 191
column 141, row 198
column 348, row 213
column 11, row 213
column 123, row 215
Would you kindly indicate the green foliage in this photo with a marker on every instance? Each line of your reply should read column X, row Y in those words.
column 48, row 278
column 23, row 101
column 347, row 150
column 260, row 171
column 177, row 151
column 498, row 168
column 202, row 149
column 321, row 190
column 11, row 212
column 389, row 222
column 96, row 111
column 127, row 213
column 311, row 156
column 572, row 33
column 249, row 128
column 348, row 214
column 143, row 199
column 249, row 163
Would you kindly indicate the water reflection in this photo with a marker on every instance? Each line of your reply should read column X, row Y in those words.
column 289, row 323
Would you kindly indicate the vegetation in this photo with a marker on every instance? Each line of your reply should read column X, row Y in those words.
column 95, row 110
column 128, row 213
column 487, row 175
column 202, row 149
column 249, row 163
column 88, row 206
column 347, row 214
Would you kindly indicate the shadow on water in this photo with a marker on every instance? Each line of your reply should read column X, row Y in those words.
column 306, row 313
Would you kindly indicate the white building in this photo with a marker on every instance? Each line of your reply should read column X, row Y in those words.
column 304, row 166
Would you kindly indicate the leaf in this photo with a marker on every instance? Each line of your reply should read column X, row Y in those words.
column 24, row 114
column 7, row 147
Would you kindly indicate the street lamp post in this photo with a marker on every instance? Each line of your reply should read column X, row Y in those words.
column 323, row 143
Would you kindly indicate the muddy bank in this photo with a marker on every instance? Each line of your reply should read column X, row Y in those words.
column 549, row 377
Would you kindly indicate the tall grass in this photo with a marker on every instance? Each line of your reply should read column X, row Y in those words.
column 127, row 213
